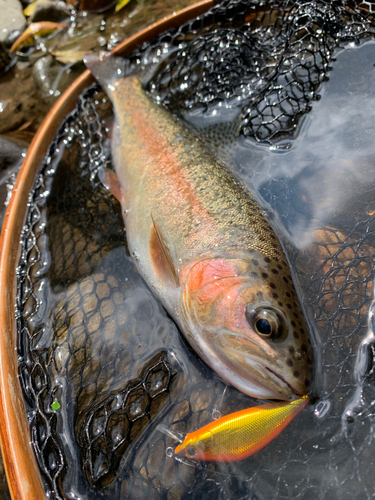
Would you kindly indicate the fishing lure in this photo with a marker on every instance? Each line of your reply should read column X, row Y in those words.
column 241, row 434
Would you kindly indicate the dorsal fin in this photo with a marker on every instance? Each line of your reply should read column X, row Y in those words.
column 221, row 136
column 161, row 256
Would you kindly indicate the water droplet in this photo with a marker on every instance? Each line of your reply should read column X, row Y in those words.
column 349, row 417
column 169, row 452
column 322, row 408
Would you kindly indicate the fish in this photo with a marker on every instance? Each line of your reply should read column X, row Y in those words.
column 239, row 435
column 204, row 246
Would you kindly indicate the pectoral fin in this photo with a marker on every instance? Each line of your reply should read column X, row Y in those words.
column 161, row 256
column 109, row 180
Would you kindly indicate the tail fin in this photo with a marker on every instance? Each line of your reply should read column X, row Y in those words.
column 106, row 69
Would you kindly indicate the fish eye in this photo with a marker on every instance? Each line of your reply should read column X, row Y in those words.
column 267, row 322
column 264, row 326
column 190, row 452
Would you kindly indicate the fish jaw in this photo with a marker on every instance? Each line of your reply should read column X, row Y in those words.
column 222, row 299
column 264, row 372
column 248, row 372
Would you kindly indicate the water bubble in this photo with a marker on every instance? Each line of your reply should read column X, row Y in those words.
column 349, row 416
column 169, row 452
column 322, row 408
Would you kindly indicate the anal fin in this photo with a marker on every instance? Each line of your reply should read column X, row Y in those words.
column 161, row 256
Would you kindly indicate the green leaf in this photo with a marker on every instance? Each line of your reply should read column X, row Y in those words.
column 55, row 405
column 120, row 4
column 30, row 8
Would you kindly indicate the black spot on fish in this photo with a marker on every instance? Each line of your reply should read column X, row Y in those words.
column 287, row 294
column 296, row 373
column 279, row 267
column 285, row 279
column 254, row 274
column 291, row 350
column 275, row 296
column 260, row 294
column 289, row 306
column 272, row 285
column 302, row 330
column 295, row 305
column 281, row 304
column 296, row 335
column 293, row 323
column 264, row 275
column 307, row 381
column 255, row 262
column 267, row 259
column 295, row 315
column 304, row 348
column 274, row 271
column 289, row 362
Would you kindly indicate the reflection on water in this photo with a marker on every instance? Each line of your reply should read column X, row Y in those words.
column 330, row 166
column 104, row 346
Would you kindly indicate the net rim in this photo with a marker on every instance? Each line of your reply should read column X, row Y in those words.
column 20, row 463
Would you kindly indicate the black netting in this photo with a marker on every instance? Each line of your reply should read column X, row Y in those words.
column 100, row 362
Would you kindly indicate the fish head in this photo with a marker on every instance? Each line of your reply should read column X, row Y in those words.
column 197, row 445
column 244, row 319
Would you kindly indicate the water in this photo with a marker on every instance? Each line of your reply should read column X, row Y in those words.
column 101, row 345
column 329, row 167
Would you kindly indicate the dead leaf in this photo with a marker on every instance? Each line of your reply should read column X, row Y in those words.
column 41, row 29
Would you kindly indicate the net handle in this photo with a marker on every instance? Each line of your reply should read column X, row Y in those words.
column 19, row 460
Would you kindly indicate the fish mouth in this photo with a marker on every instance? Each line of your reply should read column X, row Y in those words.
column 291, row 388
column 254, row 374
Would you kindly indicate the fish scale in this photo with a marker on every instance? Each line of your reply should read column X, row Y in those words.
column 183, row 210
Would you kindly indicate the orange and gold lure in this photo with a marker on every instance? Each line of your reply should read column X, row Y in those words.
column 241, row 434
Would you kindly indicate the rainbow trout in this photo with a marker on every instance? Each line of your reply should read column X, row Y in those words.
column 203, row 245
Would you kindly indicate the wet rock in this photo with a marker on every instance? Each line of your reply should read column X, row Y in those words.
column 95, row 5
column 52, row 78
column 5, row 58
column 11, row 154
column 11, row 18
column 201, row 397
column 12, row 37
column 19, row 101
column 47, row 10
column 7, row 181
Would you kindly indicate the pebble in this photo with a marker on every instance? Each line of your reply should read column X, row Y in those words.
column 11, row 18
column 47, row 10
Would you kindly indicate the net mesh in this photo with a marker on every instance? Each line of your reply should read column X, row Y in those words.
column 100, row 362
